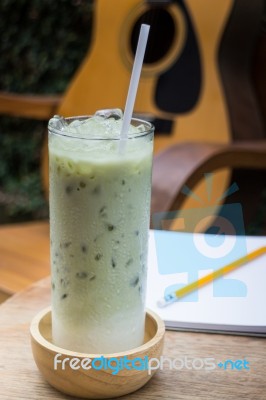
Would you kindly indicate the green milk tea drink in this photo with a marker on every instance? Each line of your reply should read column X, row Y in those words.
column 99, row 220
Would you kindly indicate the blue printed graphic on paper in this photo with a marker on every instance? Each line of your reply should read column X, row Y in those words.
column 222, row 242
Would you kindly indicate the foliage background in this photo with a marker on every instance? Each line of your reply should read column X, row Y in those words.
column 42, row 44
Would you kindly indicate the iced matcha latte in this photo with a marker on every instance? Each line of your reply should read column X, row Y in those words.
column 99, row 216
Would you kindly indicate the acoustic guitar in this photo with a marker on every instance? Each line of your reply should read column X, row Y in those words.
column 180, row 88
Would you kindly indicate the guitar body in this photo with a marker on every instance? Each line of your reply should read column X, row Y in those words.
column 103, row 78
column 183, row 70
column 180, row 89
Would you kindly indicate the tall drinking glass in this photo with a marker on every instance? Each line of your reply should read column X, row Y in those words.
column 99, row 221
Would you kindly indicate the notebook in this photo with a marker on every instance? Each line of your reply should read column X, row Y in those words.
column 235, row 303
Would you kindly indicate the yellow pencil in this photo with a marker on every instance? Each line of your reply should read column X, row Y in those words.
column 178, row 294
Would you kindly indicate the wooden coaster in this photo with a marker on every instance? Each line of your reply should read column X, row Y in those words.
column 78, row 375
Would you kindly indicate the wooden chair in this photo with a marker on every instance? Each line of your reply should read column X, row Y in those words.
column 23, row 247
column 189, row 162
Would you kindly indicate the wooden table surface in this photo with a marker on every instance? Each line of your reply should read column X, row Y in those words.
column 24, row 256
column 20, row 378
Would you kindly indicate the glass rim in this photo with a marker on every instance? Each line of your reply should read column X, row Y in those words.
column 148, row 125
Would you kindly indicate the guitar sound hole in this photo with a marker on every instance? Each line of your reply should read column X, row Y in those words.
column 161, row 36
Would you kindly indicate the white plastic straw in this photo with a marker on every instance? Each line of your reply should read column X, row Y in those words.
column 134, row 82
